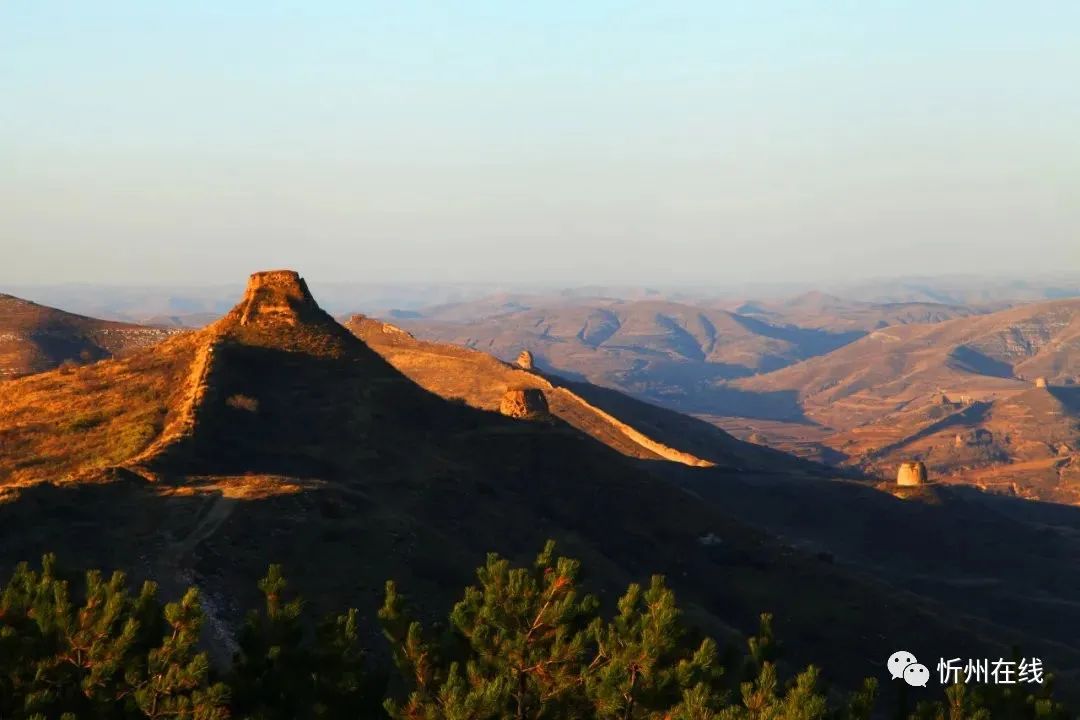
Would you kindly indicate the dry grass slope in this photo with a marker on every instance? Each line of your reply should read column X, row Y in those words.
column 35, row 338
column 279, row 435
column 57, row 424
column 480, row 380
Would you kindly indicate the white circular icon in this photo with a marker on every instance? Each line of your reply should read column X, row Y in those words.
column 898, row 661
column 916, row 675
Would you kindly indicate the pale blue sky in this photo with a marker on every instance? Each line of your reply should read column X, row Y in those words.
column 578, row 142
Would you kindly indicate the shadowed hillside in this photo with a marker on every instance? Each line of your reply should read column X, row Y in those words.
column 976, row 356
column 1025, row 445
column 632, row 427
column 822, row 311
column 34, row 337
column 667, row 353
column 276, row 434
column 957, row 395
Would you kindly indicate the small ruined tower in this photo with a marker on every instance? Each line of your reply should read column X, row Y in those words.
column 525, row 360
column 911, row 473
column 276, row 296
column 523, row 402
column 1040, row 382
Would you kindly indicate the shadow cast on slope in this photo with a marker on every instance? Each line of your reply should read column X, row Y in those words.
column 398, row 483
column 1069, row 397
column 689, row 433
column 340, row 541
column 810, row 341
column 967, row 359
column 967, row 417
column 701, row 388
column 946, row 543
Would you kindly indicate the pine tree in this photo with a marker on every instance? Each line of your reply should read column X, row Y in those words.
column 279, row 675
column 698, row 703
column 522, row 643
column 860, row 705
column 96, row 639
column 762, row 698
column 640, row 666
column 74, row 658
column 175, row 683
column 982, row 702
column 23, row 642
column 526, row 630
column 433, row 692
column 524, row 634
column 344, row 686
column 763, row 647
column 271, row 673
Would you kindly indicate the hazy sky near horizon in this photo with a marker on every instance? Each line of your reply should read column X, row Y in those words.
column 584, row 142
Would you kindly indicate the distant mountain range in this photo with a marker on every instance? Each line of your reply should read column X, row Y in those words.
column 634, row 428
column 978, row 355
column 817, row 310
column 959, row 395
column 34, row 337
column 195, row 304
column 676, row 354
column 356, row 454
column 848, row 382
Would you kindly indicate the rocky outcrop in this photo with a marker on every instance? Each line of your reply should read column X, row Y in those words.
column 911, row 473
column 1040, row 382
column 523, row 403
column 363, row 327
column 525, row 360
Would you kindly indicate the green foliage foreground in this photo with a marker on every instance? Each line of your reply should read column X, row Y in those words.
column 523, row 643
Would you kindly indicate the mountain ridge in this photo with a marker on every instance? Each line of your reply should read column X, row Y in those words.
column 478, row 378
column 36, row 337
column 295, row 441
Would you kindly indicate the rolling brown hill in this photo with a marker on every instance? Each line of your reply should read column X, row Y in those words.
column 275, row 434
column 34, row 337
column 902, row 392
column 976, row 356
column 634, row 428
column 1025, row 444
column 821, row 311
column 667, row 353
column 958, row 395
column 844, row 520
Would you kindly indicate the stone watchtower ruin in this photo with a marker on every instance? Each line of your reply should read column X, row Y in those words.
column 523, row 403
column 911, row 473
column 525, row 360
